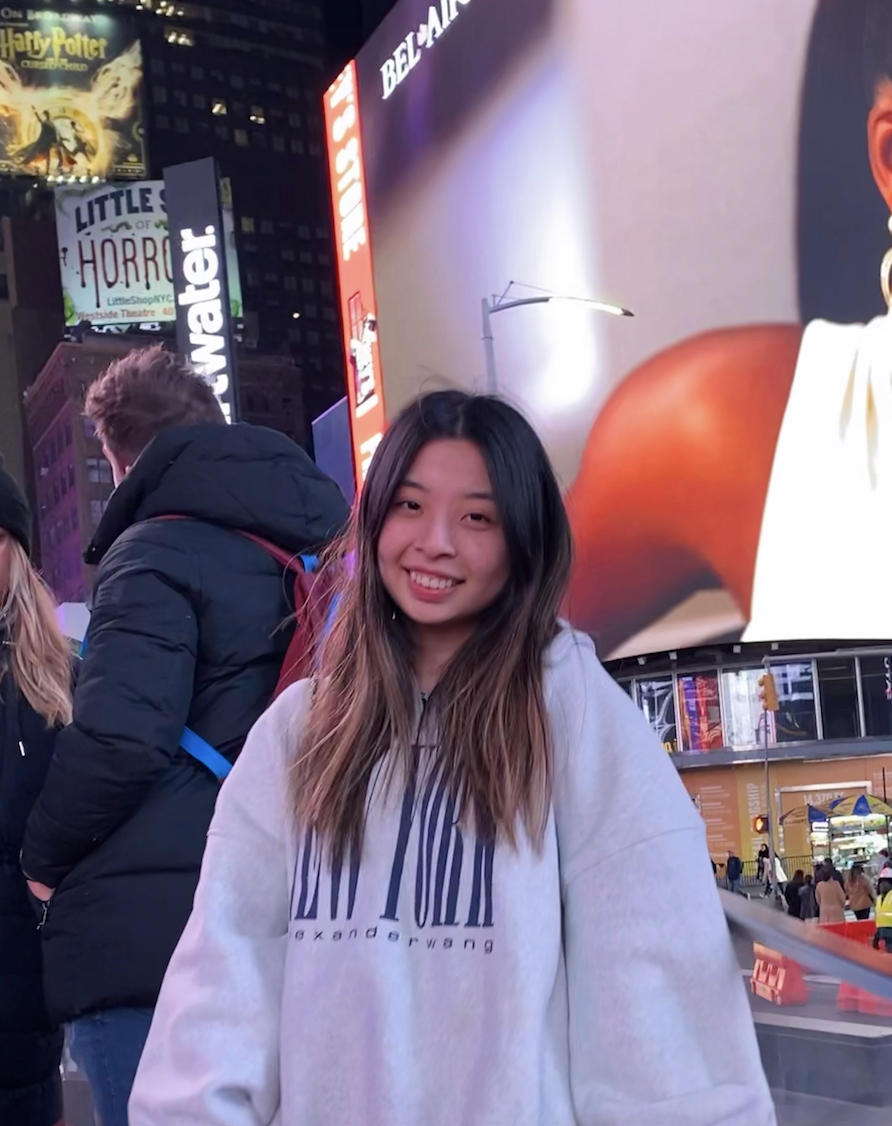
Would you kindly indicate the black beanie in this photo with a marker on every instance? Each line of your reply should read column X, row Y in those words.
column 15, row 516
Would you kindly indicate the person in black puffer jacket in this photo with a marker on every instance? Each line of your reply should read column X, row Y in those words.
column 35, row 698
column 186, row 631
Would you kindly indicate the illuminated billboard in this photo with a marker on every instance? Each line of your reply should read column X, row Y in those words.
column 70, row 96
column 365, row 393
column 201, row 277
column 114, row 254
column 727, row 452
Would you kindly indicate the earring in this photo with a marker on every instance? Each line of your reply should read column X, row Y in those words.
column 886, row 274
column 393, row 611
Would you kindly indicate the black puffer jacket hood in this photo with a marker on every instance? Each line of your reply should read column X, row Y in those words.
column 243, row 477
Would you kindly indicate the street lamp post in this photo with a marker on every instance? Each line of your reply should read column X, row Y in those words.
column 500, row 305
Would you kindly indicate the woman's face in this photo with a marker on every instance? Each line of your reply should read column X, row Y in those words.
column 5, row 557
column 442, row 553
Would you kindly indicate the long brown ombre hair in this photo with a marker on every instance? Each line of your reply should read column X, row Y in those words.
column 41, row 659
column 493, row 745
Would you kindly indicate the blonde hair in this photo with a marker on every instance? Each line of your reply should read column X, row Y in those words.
column 41, row 657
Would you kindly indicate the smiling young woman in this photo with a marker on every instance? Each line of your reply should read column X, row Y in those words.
column 401, row 918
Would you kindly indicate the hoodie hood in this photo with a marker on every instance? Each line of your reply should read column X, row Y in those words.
column 243, row 477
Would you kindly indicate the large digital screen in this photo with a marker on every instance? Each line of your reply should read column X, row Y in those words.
column 70, row 96
column 721, row 170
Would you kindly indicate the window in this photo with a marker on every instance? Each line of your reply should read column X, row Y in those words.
column 287, row 254
column 312, row 337
column 181, row 98
column 199, row 101
column 290, row 283
column 218, row 107
column 657, row 701
column 311, row 310
column 278, row 144
column 324, row 259
column 271, row 276
column 89, row 429
column 97, row 507
column 181, row 125
column 247, row 225
column 222, row 131
column 294, row 120
column 158, row 67
column 325, row 288
column 297, row 146
column 315, row 150
column 743, row 709
column 303, row 231
column 237, row 82
column 257, row 115
column 240, row 137
column 322, row 232
column 162, row 121
column 306, row 257
column 839, row 697
column 56, row 492
column 295, row 334
column 876, row 689
column 308, row 285
column 259, row 140
column 159, row 95
column 292, row 92
column 98, row 471
column 70, row 476
column 198, row 73
column 178, row 68
column 267, row 227
column 252, row 277
column 328, row 314
column 75, row 519
column 699, row 712
column 796, row 721
column 63, row 484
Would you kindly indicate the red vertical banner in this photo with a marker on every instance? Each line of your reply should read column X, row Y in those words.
column 358, row 309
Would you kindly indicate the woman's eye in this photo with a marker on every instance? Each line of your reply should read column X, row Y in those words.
column 408, row 505
column 479, row 518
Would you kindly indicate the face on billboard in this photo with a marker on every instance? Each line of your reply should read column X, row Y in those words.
column 70, row 90
column 727, row 453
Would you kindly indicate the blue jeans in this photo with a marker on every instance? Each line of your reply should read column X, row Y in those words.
column 106, row 1047
column 734, row 885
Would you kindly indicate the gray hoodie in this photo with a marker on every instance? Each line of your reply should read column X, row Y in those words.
column 440, row 981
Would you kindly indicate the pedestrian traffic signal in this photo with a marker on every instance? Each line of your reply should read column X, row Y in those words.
column 768, row 693
column 760, row 824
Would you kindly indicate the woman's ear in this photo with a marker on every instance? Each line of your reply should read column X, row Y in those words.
column 879, row 140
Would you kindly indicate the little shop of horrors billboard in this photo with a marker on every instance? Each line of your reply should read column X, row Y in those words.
column 70, row 96
column 723, row 170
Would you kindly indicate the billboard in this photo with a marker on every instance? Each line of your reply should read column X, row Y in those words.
column 717, row 169
column 201, row 289
column 358, row 308
column 114, row 254
column 70, row 96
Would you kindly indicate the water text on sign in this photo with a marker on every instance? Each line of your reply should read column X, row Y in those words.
column 408, row 54
column 206, row 317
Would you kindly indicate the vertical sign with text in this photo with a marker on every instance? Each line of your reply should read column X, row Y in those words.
column 358, row 309
column 198, row 253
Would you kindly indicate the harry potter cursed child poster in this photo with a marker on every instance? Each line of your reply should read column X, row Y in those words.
column 70, row 96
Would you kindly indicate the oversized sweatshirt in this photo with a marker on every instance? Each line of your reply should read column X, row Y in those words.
column 439, row 980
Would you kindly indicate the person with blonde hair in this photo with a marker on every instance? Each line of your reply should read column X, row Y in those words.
column 35, row 700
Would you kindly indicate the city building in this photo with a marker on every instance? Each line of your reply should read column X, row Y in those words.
column 831, row 736
column 73, row 480
column 30, row 316
column 242, row 81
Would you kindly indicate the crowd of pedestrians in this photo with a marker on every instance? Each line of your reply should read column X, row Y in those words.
column 390, row 910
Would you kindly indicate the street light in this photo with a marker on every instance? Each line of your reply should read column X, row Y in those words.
column 500, row 305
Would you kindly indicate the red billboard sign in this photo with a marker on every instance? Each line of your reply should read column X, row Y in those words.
column 358, row 307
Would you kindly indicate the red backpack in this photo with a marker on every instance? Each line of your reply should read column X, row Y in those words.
column 314, row 607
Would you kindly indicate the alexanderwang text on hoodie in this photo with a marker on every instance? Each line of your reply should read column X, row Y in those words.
column 437, row 981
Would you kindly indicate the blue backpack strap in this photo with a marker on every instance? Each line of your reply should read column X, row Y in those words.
column 195, row 746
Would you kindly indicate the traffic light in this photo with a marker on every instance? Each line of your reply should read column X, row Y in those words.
column 768, row 693
column 760, row 824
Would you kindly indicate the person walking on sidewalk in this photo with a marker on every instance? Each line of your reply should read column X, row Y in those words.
column 831, row 899
column 734, row 871
column 884, row 911
column 860, row 892
column 401, row 916
column 35, row 700
column 808, row 904
column 186, row 631
column 792, row 896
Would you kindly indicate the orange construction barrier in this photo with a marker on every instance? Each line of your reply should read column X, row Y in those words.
column 777, row 979
column 848, row 998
